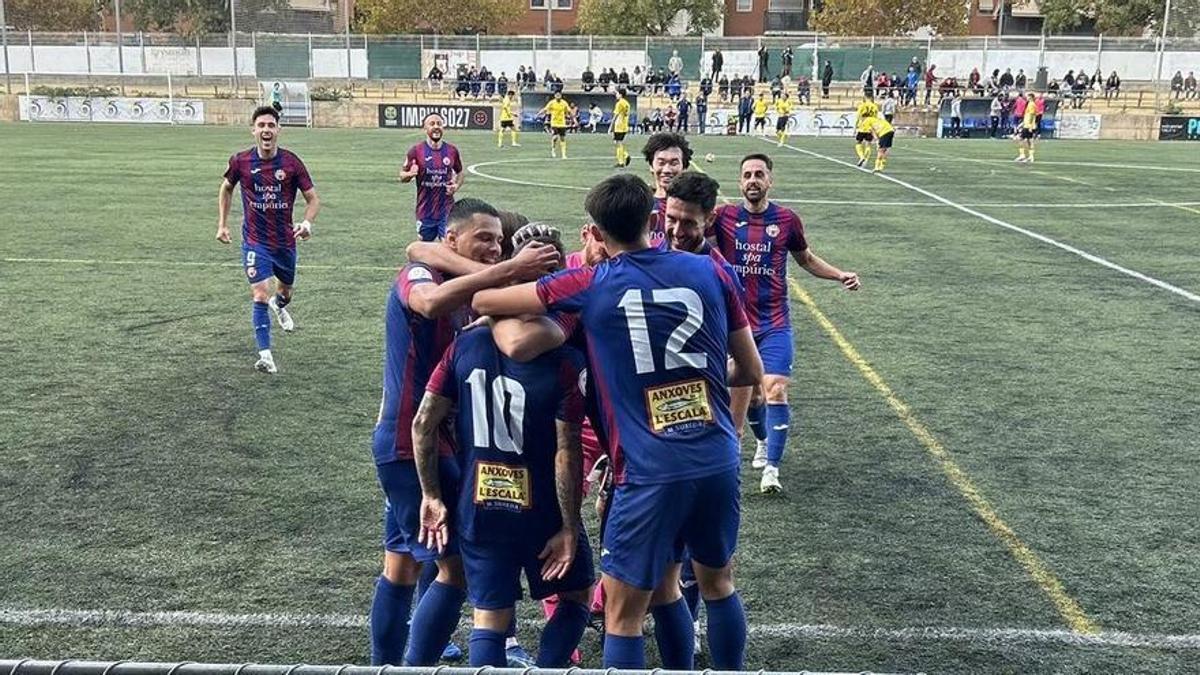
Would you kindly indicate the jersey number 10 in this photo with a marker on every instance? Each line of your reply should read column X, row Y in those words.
column 634, row 305
column 508, row 435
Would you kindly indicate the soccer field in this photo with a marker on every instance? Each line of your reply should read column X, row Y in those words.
column 994, row 445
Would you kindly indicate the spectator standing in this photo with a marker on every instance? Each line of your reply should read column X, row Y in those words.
column 723, row 88
column 1020, row 80
column 674, row 88
column 675, row 64
column 595, row 116
column 1018, row 111
column 764, row 60
column 1007, row 81
column 994, row 112
column 502, row 85
column 745, row 106
column 702, row 112
column 638, row 81
column 1040, row 109
column 706, row 86
column 930, row 79
column 888, row 108
column 785, row 61
column 685, row 108
column 826, row 78
column 955, row 115
column 718, row 62
column 587, row 79
column 973, row 82
column 911, row 80
column 867, row 79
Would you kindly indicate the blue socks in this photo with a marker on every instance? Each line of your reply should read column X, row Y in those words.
column 626, row 653
column 429, row 572
column 487, row 648
column 389, row 622
column 675, row 635
column 755, row 415
column 433, row 623
column 726, row 632
column 261, row 320
column 778, row 418
column 562, row 634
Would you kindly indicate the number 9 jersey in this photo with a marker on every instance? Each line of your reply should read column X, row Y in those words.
column 658, row 325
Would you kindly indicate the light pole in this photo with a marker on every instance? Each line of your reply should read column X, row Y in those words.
column 4, row 38
column 233, row 41
column 120, row 39
column 1162, row 47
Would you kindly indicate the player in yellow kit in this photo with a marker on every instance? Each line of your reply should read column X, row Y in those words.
column 760, row 113
column 620, row 127
column 557, row 108
column 507, row 120
column 884, row 133
column 783, row 113
column 1029, row 129
column 862, row 130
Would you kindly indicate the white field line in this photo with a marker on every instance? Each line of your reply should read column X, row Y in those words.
column 1096, row 165
column 1090, row 257
column 76, row 618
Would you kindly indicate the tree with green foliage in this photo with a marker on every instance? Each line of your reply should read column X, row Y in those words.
column 52, row 15
column 1123, row 17
column 191, row 16
column 460, row 16
column 890, row 17
column 648, row 17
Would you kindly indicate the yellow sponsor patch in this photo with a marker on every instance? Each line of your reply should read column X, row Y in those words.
column 678, row 403
column 502, row 485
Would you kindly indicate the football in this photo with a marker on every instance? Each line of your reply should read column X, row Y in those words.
column 709, row 158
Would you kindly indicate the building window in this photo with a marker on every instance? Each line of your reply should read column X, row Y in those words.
column 986, row 6
column 786, row 5
column 537, row 4
column 556, row 4
column 562, row 4
column 745, row 5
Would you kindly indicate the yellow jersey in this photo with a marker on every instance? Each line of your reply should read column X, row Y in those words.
column 866, row 110
column 1030, row 119
column 621, row 117
column 506, row 114
column 783, row 107
column 760, row 107
column 879, row 126
column 558, row 113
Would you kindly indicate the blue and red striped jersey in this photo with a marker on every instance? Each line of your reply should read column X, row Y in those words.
column 657, row 325
column 413, row 346
column 505, row 423
column 436, row 168
column 757, row 246
column 658, row 228
column 269, row 189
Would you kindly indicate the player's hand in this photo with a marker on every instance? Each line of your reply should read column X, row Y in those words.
column 435, row 532
column 223, row 234
column 850, row 281
column 302, row 230
column 558, row 555
column 534, row 261
column 409, row 171
column 452, row 185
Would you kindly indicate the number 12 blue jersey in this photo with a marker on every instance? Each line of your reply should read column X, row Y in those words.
column 658, row 325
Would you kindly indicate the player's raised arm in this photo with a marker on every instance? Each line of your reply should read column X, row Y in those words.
column 511, row 301
column 816, row 266
column 526, row 338
column 432, row 301
column 432, row 412
column 442, row 259
column 224, row 197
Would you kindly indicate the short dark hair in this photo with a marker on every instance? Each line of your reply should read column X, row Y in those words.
column 696, row 188
column 665, row 140
column 466, row 209
column 761, row 156
column 264, row 110
column 620, row 205
column 510, row 222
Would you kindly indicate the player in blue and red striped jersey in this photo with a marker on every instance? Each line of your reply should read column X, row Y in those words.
column 756, row 237
column 424, row 310
column 518, row 427
column 438, row 169
column 662, row 324
column 668, row 154
column 269, row 177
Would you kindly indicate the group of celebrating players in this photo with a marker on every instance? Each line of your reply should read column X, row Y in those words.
column 514, row 370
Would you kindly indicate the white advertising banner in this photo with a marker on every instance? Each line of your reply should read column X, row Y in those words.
column 803, row 122
column 1079, row 126
column 111, row 109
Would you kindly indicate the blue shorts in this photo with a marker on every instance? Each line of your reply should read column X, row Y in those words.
column 776, row 348
column 649, row 525
column 431, row 230
column 494, row 571
column 262, row 263
column 402, row 506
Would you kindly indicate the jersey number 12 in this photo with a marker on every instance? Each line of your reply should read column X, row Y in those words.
column 634, row 304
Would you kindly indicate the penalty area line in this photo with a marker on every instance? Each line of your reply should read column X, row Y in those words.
column 85, row 619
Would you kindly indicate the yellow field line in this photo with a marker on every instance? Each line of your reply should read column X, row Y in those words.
column 1067, row 606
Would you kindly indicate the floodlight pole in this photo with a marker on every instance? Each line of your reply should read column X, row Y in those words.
column 120, row 38
column 233, row 40
column 4, row 38
column 1162, row 47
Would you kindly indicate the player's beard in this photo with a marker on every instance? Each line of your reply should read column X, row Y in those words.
column 754, row 195
column 435, row 135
